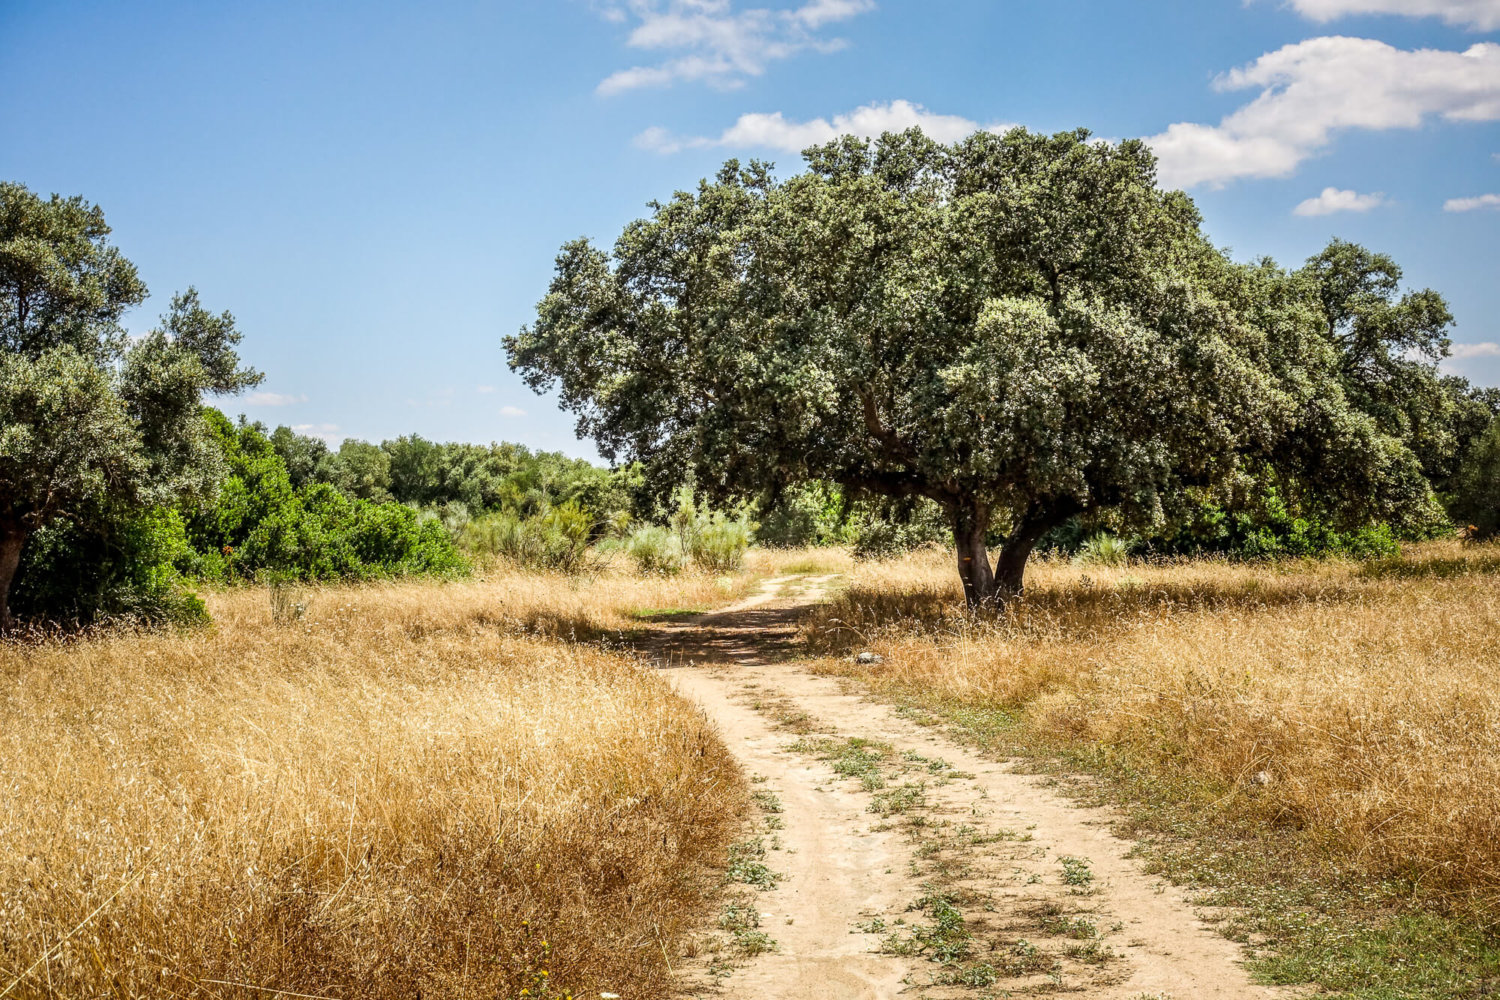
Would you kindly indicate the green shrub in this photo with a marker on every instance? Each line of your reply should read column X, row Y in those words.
column 110, row 565
column 717, row 543
column 654, row 550
column 557, row 539
column 886, row 529
column 260, row 524
column 1103, row 549
column 814, row 514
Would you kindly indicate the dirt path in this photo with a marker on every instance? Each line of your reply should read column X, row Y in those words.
column 907, row 864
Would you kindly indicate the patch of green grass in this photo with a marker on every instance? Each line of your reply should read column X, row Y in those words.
column 666, row 614
column 1081, row 928
column 946, row 940
column 767, row 800
column 898, row 800
column 852, row 757
column 1076, row 872
column 747, row 865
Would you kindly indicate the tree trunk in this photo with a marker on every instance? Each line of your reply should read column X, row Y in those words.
column 983, row 585
column 1010, row 569
column 12, row 540
column 970, row 522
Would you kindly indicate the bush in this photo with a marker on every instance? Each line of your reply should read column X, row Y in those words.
column 1271, row 522
column 814, row 514
column 557, row 539
column 889, row 529
column 655, row 550
column 717, row 543
column 261, row 524
column 1103, row 549
column 109, row 565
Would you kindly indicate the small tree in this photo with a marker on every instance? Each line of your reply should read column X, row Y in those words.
column 1022, row 328
column 90, row 422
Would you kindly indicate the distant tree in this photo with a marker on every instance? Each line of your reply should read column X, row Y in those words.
column 1022, row 328
column 300, row 452
column 417, row 473
column 1387, row 348
column 89, row 422
column 1475, row 501
column 357, row 469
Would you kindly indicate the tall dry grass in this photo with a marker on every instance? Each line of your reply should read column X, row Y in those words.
column 1357, row 703
column 407, row 792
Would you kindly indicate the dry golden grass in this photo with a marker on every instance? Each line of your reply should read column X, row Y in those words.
column 1357, row 703
column 406, row 793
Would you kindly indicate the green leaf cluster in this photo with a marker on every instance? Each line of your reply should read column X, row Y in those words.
column 261, row 524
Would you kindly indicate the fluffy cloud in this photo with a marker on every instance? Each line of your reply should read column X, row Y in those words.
column 512, row 411
column 1485, row 349
column 328, row 432
column 1470, row 204
column 719, row 45
column 1477, row 15
column 273, row 399
column 776, row 131
column 1312, row 89
column 1334, row 200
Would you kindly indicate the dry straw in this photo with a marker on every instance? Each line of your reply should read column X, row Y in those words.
column 410, row 790
column 1358, row 703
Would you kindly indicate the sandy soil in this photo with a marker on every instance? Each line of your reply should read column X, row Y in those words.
column 991, row 840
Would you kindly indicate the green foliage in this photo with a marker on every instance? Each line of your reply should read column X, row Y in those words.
column 261, row 524
column 655, row 549
column 1103, row 549
column 717, row 543
column 806, row 514
column 503, row 477
column 357, row 469
column 1269, row 521
column 90, row 423
column 886, row 529
column 1019, row 328
column 111, row 565
column 1476, row 499
column 557, row 539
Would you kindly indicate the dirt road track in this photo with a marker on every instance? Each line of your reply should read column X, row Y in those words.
column 1051, row 901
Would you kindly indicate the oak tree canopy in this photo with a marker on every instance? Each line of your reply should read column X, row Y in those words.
column 1020, row 327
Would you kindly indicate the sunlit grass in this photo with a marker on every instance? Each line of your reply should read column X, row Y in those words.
column 1317, row 743
column 409, row 790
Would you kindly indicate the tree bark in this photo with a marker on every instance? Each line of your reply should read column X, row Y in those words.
column 970, row 522
column 1010, row 568
column 12, row 540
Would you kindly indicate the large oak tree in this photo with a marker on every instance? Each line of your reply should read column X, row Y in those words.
column 1020, row 327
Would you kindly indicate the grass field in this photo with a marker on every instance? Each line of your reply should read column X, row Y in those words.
column 1319, row 741
column 411, row 789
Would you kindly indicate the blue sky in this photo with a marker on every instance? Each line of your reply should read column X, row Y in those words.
column 377, row 190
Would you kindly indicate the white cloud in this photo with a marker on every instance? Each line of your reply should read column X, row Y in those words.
column 775, row 131
column 1312, row 89
column 485, row 389
column 1334, row 200
column 719, row 45
column 512, row 411
column 1477, row 15
column 1470, row 204
column 1485, row 349
column 328, row 432
column 273, row 399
